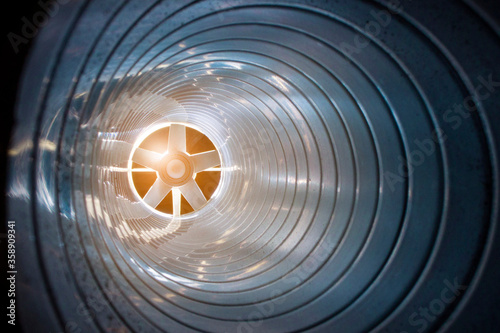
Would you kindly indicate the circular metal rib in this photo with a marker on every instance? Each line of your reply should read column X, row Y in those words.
column 357, row 146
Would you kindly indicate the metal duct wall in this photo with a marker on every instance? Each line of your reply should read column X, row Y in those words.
column 359, row 167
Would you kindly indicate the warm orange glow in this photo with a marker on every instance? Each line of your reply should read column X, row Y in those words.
column 196, row 142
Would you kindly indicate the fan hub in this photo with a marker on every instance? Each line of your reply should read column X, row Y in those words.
column 176, row 169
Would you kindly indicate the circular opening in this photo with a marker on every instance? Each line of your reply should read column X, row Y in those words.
column 175, row 169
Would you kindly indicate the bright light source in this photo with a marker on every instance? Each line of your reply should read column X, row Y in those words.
column 179, row 177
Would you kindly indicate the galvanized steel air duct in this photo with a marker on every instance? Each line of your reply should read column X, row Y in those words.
column 358, row 145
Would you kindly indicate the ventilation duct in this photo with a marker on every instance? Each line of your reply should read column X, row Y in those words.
column 352, row 181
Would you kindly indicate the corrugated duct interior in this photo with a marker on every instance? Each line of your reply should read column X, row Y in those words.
column 358, row 172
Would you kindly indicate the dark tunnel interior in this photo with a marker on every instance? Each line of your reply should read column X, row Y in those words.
column 251, row 166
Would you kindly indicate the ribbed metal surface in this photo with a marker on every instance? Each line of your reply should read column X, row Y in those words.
column 359, row 177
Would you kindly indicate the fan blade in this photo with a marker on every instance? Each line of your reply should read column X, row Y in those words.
column 157, row 193
column 177, row 138
column 203, row 161
column 146, row 158
column 193, row 194
column 176, row 202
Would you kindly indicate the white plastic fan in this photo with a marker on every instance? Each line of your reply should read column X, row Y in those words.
column 175, row 171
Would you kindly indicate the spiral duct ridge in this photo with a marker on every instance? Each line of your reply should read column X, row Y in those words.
column 356, row 152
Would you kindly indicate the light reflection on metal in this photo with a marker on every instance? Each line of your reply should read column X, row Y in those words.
column 302, row 221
